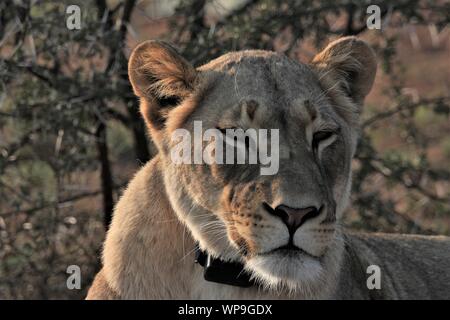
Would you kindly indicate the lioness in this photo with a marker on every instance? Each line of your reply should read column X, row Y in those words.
column 283, row 229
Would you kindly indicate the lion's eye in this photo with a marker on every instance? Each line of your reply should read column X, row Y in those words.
column 320, row 136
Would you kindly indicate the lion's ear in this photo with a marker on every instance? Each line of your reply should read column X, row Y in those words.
column 161, row 77
column 348, row 63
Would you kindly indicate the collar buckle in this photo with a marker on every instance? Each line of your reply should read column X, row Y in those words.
column 220, row 271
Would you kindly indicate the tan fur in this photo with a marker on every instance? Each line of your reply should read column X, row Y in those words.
column 100, row 289
column 166, row 208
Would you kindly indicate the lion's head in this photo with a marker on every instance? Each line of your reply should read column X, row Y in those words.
column 284, row 227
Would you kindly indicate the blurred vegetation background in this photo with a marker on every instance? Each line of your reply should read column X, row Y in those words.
column 71, row 135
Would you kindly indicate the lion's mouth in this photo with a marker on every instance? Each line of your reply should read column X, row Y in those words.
column 289, row 250
column 289, row 247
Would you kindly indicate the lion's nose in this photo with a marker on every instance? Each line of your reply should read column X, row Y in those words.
column 294, row 217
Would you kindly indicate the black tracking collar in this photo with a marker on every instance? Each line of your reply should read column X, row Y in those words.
column 225, row 272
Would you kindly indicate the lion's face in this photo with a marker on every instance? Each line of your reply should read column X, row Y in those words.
column 284, row 226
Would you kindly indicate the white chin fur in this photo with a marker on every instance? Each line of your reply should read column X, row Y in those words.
column 278, row 272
